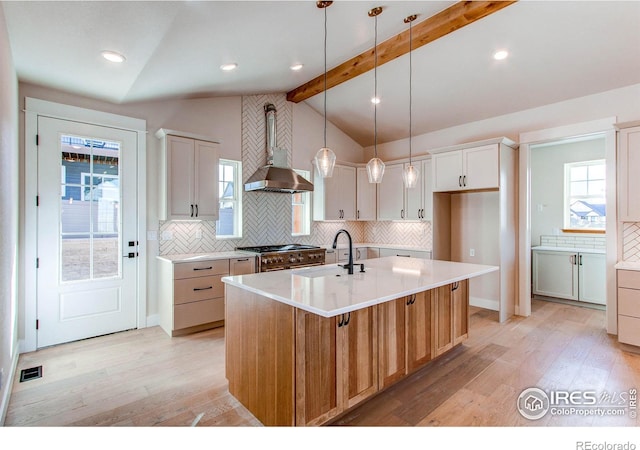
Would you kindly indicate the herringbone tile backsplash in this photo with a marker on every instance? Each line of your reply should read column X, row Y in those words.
column 631, row 241
column 267, row 216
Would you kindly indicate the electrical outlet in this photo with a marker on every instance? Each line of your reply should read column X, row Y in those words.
column 167, row 235
column 152, row 235
column 472, row 252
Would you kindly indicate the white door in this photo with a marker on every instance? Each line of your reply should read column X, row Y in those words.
column 481, row 167
column 365, row 196
column 86, row 281
column 391, row 194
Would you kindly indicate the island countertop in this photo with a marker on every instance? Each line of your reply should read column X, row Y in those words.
column 329, row 291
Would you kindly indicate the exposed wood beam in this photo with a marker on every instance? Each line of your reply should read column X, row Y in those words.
column 430, row 29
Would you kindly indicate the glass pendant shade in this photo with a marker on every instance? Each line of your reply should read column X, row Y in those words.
column 375, row 170
column 325, row 162
column 410, row 176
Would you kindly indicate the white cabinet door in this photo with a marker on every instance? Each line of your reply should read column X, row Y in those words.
column 555, row 274
column 335, row 198
column 447, row 171
column 191, row 185
column 331, row 256
column 391, row 194
column 205, row 181
column 481, row 167
column 592, row 278
column 361, row 253
column 180, row 163
column 365, row 196
column 427, row 190
column 413, row 196
column 628, row 170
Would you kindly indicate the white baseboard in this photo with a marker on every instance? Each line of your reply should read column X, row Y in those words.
column 153, row 320
column 484, row 303
column 7, row 387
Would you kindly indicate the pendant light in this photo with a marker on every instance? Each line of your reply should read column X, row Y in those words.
column 375, row 167
column 411, row 173
column 325, row 158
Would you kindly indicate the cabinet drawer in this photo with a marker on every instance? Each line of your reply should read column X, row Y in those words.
column 198, row 313
column 629, row 279
column 200, row 268
column 629, row 302
column 194, row 289
column 629, row 330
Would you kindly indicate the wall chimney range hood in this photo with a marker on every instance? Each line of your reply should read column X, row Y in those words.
column 275, row 176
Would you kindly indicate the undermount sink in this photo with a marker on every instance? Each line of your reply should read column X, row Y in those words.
column 315, row 272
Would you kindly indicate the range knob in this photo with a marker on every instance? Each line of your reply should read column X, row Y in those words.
column 292, row 258
column 266, row 260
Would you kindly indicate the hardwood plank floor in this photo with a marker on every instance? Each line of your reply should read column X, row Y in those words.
column 143, row 378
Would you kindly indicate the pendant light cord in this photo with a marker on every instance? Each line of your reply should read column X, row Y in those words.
column 410, row 85
column 375, row 89
column 325, row 77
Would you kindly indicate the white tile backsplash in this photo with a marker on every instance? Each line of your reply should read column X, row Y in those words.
column 573, row 241
column 631, row 241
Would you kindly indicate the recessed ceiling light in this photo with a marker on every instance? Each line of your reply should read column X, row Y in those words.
column 228, row 67
column 500, row 54
column 375, row 100
column 296, row 67
column 113, row 56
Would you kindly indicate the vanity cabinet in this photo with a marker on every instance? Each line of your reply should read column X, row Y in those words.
column 335, row 198
column 467, row 169
column 570, row 275
column 628, row 168
column 188, row 177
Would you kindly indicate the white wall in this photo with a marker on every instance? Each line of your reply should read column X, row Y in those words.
column 624, row 103
column 8, row 216
column 547, row 182
column 220, row 118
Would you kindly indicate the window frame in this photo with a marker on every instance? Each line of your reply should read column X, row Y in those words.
column 237, row 198
column 306, row 207
column 568, row 198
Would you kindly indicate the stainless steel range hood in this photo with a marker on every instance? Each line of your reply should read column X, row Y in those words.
column 275, row 176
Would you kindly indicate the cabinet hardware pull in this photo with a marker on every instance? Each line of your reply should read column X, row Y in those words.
column 196, row 210
column 203, row 268
column 464, row 180
column 455, row 286
column 203, row 289
column 341, row 321
column 357, row 214
column 460, row 181
column 580, row 259
column 346, row 322
column 240, row 260
column 402, row 213
column 404, row 256
column 191, row 210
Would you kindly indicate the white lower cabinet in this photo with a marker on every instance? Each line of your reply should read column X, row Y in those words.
column 569, row 275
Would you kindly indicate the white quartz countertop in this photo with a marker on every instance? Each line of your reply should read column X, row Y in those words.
column 329, row 291
column 569, row 249
column 628, row 265
column 194, row 257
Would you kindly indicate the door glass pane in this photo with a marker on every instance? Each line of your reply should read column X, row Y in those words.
column 90, row 217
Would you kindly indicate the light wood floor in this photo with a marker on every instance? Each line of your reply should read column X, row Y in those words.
column 145, row 378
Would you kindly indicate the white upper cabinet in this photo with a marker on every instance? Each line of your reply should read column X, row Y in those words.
column 188, row 178
column 628, row 170
column 335, row 198
column 395, row 202
column 365, row 196
column 467, row 169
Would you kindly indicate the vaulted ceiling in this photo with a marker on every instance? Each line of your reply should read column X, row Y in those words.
column 174, row 49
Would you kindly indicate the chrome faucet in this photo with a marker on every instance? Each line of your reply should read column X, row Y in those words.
column 349, row 265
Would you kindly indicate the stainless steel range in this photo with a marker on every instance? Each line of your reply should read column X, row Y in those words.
column 281, row 257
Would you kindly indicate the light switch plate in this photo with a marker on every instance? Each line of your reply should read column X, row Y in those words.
column 152, row 235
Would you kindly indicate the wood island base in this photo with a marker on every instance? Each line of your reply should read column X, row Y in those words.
column 290, row 367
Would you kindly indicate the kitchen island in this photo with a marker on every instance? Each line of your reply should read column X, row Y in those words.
column 303, row 346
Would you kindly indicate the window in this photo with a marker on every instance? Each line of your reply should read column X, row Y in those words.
column 301, row 210
column 585, row 194
column 229, row 223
